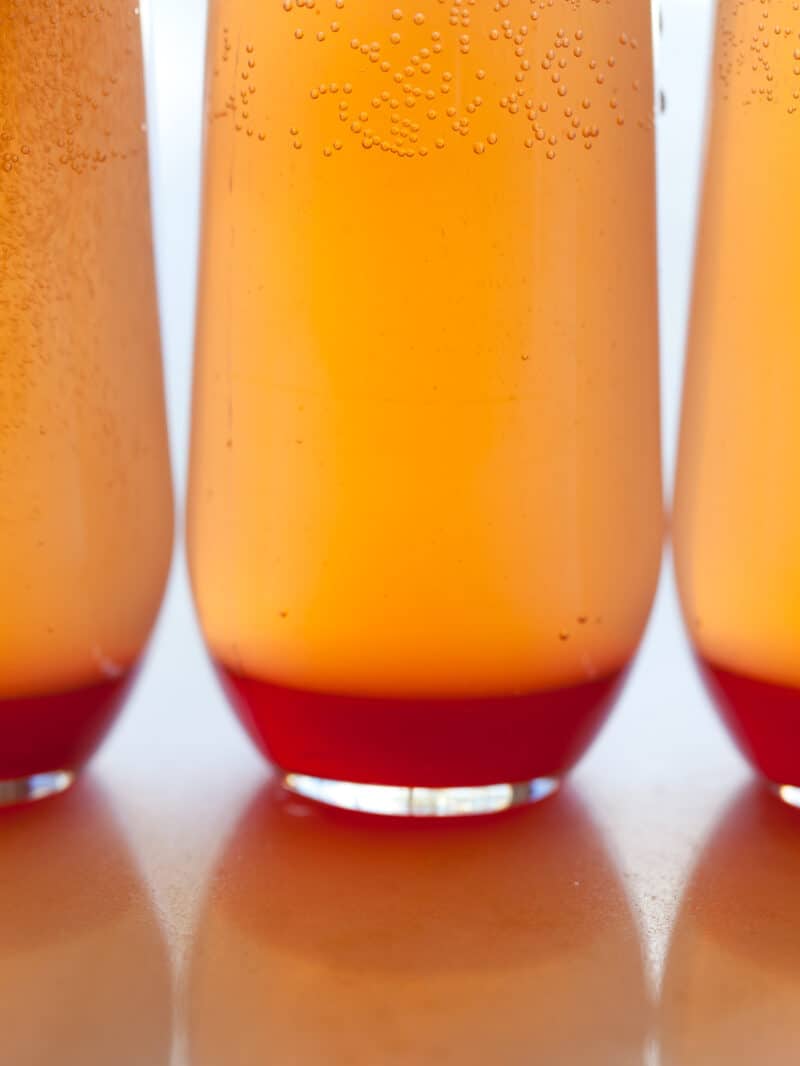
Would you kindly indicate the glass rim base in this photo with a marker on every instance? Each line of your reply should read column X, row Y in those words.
column 418, row 801
column 19, row 790
column 788, row 794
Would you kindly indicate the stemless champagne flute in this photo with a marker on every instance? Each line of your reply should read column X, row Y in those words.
column 737, row 512
column 85, row 494
column 425, row 504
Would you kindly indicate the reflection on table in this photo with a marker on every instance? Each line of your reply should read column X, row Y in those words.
column 329, row 938
column 731, row 990
column 84, row 974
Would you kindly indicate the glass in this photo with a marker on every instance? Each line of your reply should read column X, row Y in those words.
column 85, row 496
column 425, row 511
column 737, row 509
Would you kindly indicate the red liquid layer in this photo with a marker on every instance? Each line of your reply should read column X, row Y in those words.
column 58, row 731
column 436, row 743
column 764, row 719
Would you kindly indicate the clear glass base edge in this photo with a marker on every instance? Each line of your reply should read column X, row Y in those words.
column 420, row 802
column 789, row 794
column 36, row 787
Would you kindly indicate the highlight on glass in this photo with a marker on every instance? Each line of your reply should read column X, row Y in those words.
column 425, row 512
column 85, row 494
column 737, row 512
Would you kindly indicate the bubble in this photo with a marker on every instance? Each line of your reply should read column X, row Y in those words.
column 439, row 142
column 354, row 42
column 397, row 14
column 335, row 27
column 297, row 144
column 492, row 138
column 480, row 74
column 479, row 148
column 529, row 142
column 563, row 634
column 494, row 34
column 320, row 35
column 431, row 114
column 327, row 151
column 419, row 18
column 298, row 33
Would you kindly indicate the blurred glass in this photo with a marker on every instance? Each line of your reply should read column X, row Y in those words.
column 85, row 495
column 737, row 511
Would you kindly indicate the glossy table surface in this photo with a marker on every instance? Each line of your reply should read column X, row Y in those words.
column 177, row 908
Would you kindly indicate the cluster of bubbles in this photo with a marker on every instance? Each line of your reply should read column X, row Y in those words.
column 63, row 112
column 546, row 79
column 759, row 55
column 64, row 102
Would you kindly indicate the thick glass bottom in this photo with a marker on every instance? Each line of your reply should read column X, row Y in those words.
column 420, row 802
column 419, row 745
column 41, row 735
column 790, row 794
column 764, row 720
column 35, row 787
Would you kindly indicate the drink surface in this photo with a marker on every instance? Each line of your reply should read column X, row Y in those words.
column 737, row 522
column 425, row 436
column 85, row 499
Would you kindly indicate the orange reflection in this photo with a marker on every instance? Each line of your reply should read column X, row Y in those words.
column 330, row 938
column 731, row 990
column 84, row 976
